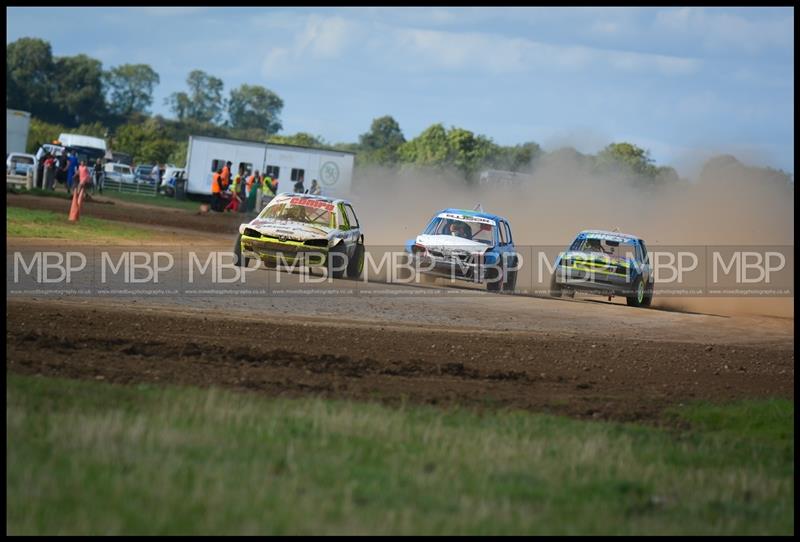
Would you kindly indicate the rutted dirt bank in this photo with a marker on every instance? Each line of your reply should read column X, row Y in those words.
column 579, row 376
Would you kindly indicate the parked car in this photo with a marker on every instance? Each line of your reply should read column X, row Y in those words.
column 605, row 263
column 121, row 173
column 168, row 179
column 143, row 173
column 464, row 245
column 18, row 163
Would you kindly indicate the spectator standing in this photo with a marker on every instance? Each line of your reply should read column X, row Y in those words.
column 84, row 175
column 299, row 188
column 253, row 184
column 233, row 205
column 155, row 174
column 99, row 175
column 72, row 166
column 61, row 168
column 226, row 176
column 49, row 172
column 216, row 191
column 315, row 189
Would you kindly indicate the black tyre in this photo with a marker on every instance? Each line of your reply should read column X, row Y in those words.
column 648, row 295
column 238, row 259
column 337, row 258
column 511, row 282
column 425, row 278
column 356, row 264
column 636, row 299
column 494, row 283
column 555, row 287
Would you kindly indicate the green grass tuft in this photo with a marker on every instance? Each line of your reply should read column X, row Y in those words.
column 93, row 458
column 49, row 225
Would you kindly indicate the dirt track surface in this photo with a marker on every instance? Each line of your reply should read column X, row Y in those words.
column 389, row 342
column 578, row 376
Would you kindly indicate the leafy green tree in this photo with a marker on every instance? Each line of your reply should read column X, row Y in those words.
column 179, row 103
column 457, row 147
column 516, row 158
column 626, row 158
column 382, row 142
column 145, row 142
column 79, row 89
column 41, row 132
column 301, row 139
column 430, row 148
column 253, row 106
column 130, row 88
column 203, row 102
column 30, row 77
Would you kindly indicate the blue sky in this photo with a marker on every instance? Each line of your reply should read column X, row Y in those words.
column 684, row 83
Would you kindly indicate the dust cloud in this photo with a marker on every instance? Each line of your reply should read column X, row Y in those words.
column 729, row 203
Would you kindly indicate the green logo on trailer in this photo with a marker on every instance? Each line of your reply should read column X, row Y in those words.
column 329, row 173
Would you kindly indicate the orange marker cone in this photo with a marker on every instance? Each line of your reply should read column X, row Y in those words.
column 77, row 201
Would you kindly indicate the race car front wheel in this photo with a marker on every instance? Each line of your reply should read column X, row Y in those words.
column 238, row 259
column 356, row 264
column 337, row 261
column 555, row 287
column 511, row 282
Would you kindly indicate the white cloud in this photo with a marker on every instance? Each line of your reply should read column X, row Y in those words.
column 721, row 31
column 301, row 42
column 496, row 54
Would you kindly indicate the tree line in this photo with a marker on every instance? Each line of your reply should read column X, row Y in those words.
column 75, row 94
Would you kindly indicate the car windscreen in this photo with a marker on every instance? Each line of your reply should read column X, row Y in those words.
column 307, row 211
column 22, row 160
column 610, row 248
column 88, row 154
column 465, row 228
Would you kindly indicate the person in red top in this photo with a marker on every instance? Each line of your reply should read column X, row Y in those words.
column 49, row 172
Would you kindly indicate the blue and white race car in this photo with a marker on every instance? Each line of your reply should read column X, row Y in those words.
column 605, row 263
column 467, row 245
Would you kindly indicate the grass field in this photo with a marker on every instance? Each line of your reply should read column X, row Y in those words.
column 47, row 224
column 93, row 458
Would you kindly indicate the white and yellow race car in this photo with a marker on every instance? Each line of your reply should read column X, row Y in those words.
column 320, row 230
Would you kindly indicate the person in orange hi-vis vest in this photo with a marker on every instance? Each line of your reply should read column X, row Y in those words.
column 216, row 191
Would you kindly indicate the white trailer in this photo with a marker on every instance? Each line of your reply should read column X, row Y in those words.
column 333, row 170
column 18, row 124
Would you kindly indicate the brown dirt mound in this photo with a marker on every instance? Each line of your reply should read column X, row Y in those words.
column 294, row 357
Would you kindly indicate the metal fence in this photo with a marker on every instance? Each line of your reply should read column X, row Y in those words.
column 145, row 189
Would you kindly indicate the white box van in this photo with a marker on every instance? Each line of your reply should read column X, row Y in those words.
column 332, row 169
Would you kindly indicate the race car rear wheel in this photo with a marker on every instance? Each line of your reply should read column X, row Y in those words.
column 648, row 295
column 638, row 296
column 238, row 259
column 356, row 264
